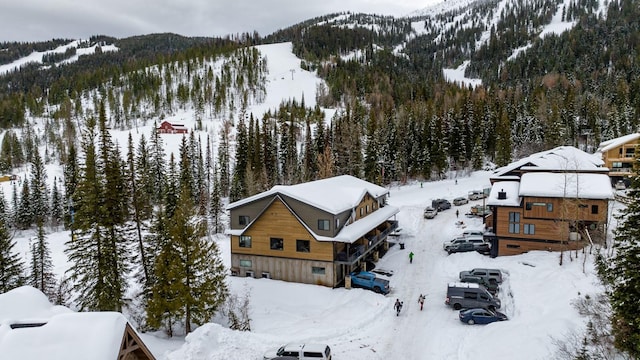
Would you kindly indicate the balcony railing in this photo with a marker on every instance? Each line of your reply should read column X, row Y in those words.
column 355, row 253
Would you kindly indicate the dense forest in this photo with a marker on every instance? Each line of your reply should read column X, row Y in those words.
column 397, row 118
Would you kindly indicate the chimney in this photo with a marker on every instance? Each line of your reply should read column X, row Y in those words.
column 502, row 195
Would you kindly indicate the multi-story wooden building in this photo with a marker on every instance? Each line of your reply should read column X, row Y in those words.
column 554, row 200
column 618, row 155
column 314, row 233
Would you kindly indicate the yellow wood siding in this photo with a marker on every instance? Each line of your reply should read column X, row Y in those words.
column 566, row 209
column 278, row 222
column 366, row 207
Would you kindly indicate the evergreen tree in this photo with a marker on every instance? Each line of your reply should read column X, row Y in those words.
column 136, row 208
column 41, row 276
column 622, row 273
column 202, row 287
column 38, row 190
column 215, row 207
column 70, row 183
column 11, row 266
column 24, row 212
column 157, row 166
column 223, row 161
column 239, row 182
column 57, row 206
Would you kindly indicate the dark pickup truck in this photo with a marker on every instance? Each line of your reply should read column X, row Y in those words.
column 482, row 248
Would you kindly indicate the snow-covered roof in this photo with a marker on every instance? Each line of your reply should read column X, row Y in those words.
column 572, row 185
column 66, row 335
column 562, row 158
column 614, row 143
column 511, row 190
column 349, row 233
column 333, row 195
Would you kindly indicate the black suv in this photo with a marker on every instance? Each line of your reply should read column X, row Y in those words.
column 440, row 204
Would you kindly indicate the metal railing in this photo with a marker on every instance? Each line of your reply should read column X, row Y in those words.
column 358, row 252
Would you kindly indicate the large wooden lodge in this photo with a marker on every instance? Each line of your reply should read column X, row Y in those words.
column 314, row 233
column 553, row 200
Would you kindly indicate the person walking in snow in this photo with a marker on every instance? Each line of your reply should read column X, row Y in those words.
column 398, row 306
column 457, row 213
column 421, row 301
column 411, row 257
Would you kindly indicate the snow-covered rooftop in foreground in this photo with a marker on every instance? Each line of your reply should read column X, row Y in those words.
column 570, row 185
column 66, row 335
column 333, row 195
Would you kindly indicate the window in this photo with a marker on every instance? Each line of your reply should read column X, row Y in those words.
column 528, row 206
column 245, row 241
column 550, row 207
column 513, row 246
column 514, row 223
column 616, row 164
column 323, row 224
column 315, row 270
column 243, row 220
column 277, row 244
column 361, row 211
column 337, row 223
column 303, row 246
column 266, row 275
column 470, row 295
column 248, row 273
column 367, row 208
column 529, row 229
column 245, row 263
column 594, row 209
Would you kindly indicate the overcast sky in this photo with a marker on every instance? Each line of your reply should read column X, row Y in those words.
column 36, row 20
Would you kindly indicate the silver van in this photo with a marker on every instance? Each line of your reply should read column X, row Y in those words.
column 470, row 295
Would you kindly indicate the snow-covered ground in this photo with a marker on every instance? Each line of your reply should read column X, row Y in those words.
column 359, row 324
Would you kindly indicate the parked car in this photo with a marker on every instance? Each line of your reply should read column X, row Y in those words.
column 491, row 285
column 487, row 274
column 479, row 210
column 468, row 296
column 430, row 213
column 300, row 351
column 481, row 316
column 460, row 201
column 476, row 195
column 472, row 232
column 441, row 204
column 472, row 239
column 369, row 280
column 482, row 248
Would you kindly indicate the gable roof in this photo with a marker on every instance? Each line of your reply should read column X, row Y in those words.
column 51, row 332
column 562, row 158
column 569, row 185
column 333, row 195
column 614, row 143
column 348, row 234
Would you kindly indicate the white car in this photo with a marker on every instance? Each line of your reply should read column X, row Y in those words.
column 430, row 213
column 301, row 351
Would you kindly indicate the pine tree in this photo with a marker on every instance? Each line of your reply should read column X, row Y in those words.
column 57, row 206
column 239, row 182
column 157, row 166
column 39, row 201
column 70, row 183
column 203, row 288
column 41, row 276
column 136, row 208
column 622, row 273
column 24, row 212
column 11, row 266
